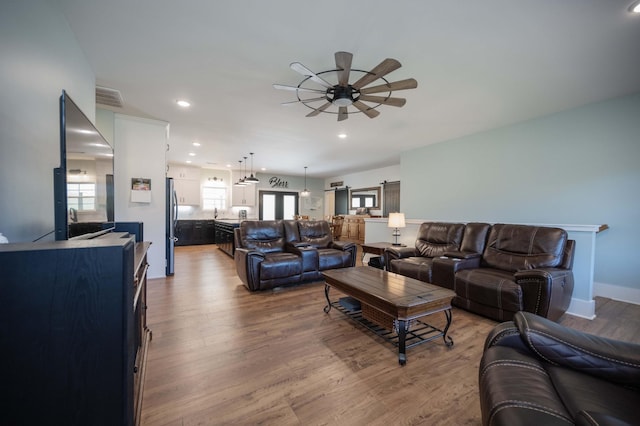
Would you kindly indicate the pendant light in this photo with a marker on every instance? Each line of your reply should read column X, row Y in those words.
column 240, row 181
column 252, row 179
column 306, row 192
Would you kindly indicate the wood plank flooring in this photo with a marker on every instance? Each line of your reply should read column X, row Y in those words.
column 223, row 355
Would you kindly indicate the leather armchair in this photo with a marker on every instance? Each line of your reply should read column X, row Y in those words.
column 433, row 240
column 436, row 240
column 522, row 268
column 536, row 372
column 261, row 256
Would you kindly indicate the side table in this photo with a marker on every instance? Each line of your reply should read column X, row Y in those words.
column 377, row 249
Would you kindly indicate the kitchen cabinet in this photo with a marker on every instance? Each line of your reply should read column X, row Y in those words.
column 195, row 232
column 243, row 196
column 186, row 182
column 225, row 237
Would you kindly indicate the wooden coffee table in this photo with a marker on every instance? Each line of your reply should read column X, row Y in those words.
column 402, row 300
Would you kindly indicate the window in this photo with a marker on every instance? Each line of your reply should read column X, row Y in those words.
column 214, row 198
column 81, row 196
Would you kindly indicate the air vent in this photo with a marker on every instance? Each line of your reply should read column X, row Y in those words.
column 110, row 97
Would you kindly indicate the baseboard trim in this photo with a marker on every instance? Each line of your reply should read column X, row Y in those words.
column 582, row 308
column 616, row 292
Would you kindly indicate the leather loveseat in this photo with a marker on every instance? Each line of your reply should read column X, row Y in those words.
column 275, row 253
column 536, row 372
column 496, row 270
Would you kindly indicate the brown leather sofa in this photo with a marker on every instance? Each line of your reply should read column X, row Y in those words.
column 275, row 253
column 536, row 372
column 497, row 270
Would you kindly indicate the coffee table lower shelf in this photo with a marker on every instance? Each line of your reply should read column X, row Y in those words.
column 416, row 333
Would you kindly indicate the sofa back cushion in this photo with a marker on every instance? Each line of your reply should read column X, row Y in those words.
column 474, row 237
column 315, row 232
column 435, row 238
column 266, row 236
column 517, row 247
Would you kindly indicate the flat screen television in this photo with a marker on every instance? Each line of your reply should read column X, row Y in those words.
column 83, row 184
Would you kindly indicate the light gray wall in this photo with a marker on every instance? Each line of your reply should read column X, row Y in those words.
column 39, row 58
column 580, row 166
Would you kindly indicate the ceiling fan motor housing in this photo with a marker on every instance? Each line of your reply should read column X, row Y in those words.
column 343, row 96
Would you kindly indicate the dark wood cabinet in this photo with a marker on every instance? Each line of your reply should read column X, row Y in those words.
column 195, row 232
column 224, row 236
column 74, row 332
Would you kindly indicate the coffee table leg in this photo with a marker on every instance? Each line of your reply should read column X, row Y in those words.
column 326, row 294
column 402, row 336
column 447, row 339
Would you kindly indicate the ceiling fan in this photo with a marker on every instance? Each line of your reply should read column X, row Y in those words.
column 343, row 94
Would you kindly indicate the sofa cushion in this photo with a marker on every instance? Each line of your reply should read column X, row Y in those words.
column 517, row 247
column 418, row 267
column 474, row 237
column 266, row 236
column 279, row 265
column 317, row 233
column 329, row 258
column 489, row 287
column 435, row 238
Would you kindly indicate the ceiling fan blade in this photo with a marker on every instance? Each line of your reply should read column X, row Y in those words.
column 396, row 102
column 369, row 112
column 298, row 89
column 409, row 83
column 298, row 67
column 322, row 98
column 342, row 113
column 319, row 110
column 343, row 63
column 382, row 69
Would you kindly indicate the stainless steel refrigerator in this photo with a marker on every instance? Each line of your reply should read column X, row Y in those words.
column 171, row 221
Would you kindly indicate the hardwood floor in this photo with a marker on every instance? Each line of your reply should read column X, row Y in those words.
column 223, row 355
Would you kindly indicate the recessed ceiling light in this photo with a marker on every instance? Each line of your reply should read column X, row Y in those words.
column 183, row 103
column 196, row 144
column 264, row 169
column 635, row 7
column 342, row 135
column 188, row 161
column 192, row 154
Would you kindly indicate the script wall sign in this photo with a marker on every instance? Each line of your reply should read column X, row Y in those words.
column 276, row 182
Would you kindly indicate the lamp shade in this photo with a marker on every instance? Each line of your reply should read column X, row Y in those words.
column 396, row 220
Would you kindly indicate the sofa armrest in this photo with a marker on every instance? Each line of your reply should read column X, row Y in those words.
column 248, row 267
column 346, row 246
column 400, row 252
column 546, row 292
column 462, row 255
column 609, row 359
column 342, row 245
column 307, row 252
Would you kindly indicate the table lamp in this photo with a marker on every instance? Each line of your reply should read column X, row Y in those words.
column 396, row 221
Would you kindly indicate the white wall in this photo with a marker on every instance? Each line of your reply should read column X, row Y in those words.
column 580, row 166
column 140, row 150
column 40, row 58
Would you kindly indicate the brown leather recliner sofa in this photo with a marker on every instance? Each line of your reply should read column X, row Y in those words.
column 273, row 253
column 495, row 270
column 536, row 372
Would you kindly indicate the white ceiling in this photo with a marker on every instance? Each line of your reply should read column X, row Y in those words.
column 479, row 65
